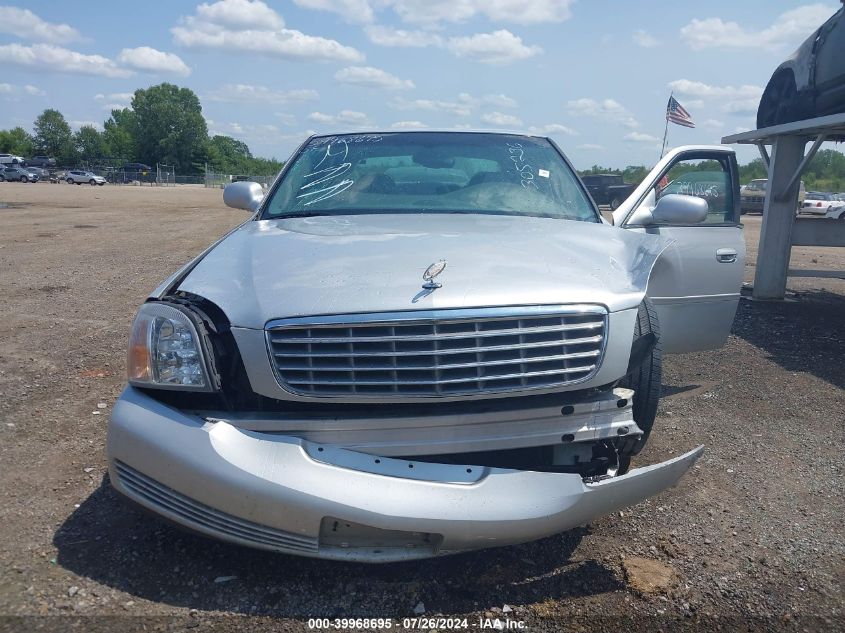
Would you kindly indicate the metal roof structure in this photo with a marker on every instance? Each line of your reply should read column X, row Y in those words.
column 781, row 230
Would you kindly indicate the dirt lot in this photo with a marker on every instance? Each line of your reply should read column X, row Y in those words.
column 752, row 537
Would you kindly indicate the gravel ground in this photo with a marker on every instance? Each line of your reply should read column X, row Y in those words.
column 752, row 538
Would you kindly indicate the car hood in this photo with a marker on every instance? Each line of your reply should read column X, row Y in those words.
column 271, row 269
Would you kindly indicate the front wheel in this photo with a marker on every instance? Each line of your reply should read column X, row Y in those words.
column 69, row 181
column 645, row 380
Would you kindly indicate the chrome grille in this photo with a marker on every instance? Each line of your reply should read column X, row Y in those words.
column 438, row 353
column 205, row 518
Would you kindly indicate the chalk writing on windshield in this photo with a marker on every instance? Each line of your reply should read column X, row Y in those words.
column 349, row 139
column 325, row 183
column 525, row 171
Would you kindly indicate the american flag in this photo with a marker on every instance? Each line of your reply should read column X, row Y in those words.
column 676, row 113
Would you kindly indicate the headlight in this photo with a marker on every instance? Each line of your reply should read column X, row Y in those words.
column 165, row 350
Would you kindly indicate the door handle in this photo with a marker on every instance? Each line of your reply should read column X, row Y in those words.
column 726, row 256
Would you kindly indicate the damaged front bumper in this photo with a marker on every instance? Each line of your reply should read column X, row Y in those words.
column 296, row 496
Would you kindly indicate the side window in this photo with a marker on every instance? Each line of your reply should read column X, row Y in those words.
column 707, row 179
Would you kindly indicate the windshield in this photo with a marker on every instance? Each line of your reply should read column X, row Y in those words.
column 430, row 172
column 756, row 185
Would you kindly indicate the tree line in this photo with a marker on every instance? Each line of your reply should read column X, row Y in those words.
column 163, row 124
column 826, row 172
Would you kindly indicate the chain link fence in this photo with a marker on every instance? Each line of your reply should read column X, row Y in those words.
column 142, row 175
column 218, row 180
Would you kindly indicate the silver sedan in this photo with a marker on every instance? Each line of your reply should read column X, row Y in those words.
column 422, row 343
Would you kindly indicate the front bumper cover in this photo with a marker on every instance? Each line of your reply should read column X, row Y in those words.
column 290, row 495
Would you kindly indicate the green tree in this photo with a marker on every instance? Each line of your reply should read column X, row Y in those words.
column 16, row 141
column 119, row 135
column 169, row 127
column 229, row 155
column 754, row 170
column 53, row 136
column 89, row 144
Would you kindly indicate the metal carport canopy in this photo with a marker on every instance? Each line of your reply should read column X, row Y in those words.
column 781, row 230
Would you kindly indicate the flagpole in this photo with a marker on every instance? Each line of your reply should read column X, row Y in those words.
column 666, row 129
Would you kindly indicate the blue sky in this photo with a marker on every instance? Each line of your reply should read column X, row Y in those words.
column 593, row 74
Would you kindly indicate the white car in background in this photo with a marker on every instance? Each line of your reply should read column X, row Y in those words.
column 821, row 203
column 79, row 177
column 10, row 159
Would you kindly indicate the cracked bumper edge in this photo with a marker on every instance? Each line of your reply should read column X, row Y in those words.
column 287, row 494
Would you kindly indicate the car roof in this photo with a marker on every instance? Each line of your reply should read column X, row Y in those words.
column 377, row 132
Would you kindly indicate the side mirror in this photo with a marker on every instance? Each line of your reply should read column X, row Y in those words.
column 674, row 208
column 243, row 195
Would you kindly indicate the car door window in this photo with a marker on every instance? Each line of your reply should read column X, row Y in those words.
column 706, row 179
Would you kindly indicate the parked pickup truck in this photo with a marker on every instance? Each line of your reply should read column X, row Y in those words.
column 753, row 195
column 422, row 343
column 608, row 189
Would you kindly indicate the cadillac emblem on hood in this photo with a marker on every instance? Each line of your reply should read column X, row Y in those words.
column 431, row 272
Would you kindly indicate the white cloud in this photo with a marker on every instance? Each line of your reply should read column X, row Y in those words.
column 589, row 146
column 498, row 47
column 151, row 60
column 700, row 89
column 115, row 100
column 253, row 27
column 408, row 125
column 639, row 137
column 13, row 91
column 264, row 133
column 240, row 14
column 434, row 12
column 503, row 120
column 553, row 129
column 346, row 117
column 499, row 101
column 606, row 109
column 641, row 38
column 76, row 124
column 115, row 96
column 248, row 92
column 25, row 24
column 741, row 106
column 734, row 99
column 789, row 28
column 370, row 77
column 388, row 36
column 286, row 118
column 357, row 11
column 458, row 109
column 55, row 59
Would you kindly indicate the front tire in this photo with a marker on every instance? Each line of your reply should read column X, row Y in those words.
column 69, row 181
column 646, row 381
